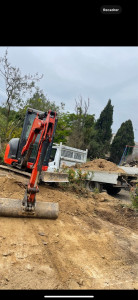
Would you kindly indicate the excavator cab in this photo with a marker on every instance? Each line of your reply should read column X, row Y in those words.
column 14, row 148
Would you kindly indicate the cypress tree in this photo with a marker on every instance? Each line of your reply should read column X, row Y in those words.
column 123, row 137
column 103, row 127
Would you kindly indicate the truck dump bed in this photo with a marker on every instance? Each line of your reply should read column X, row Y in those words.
column 130, row 170
column 109, row 177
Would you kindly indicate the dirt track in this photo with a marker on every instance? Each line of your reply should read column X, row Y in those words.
column 92, row 244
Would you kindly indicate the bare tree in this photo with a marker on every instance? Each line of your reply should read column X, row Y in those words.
column 79, row 106
column 16, row 84
column 76, row 138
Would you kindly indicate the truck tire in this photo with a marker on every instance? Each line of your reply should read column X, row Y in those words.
column 92, row 185
column 111, row 190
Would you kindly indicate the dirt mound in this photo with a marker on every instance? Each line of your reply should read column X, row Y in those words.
column 9, row 187
column 91, row 245
column 101, row 165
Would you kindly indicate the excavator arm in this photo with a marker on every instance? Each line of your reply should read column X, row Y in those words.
column 46, row 129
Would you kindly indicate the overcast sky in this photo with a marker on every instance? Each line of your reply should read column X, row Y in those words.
column 97, row 73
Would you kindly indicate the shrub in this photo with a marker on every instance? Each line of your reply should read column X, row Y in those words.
column 96, row 190
column 77, row 176
column 2, row 152
column 77, row 182
column 134, row 196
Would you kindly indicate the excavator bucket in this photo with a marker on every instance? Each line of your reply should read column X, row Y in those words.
column 49, row 177
column 14, row 208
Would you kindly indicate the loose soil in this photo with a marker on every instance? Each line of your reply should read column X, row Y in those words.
column 91, row 245
column 101, row 165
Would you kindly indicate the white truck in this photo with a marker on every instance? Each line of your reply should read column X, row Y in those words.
column 62, row 155
column 113, row 182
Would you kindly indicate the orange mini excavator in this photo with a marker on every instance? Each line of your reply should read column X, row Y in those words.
column 31, row 151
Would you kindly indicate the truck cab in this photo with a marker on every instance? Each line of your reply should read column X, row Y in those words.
column 62, row 155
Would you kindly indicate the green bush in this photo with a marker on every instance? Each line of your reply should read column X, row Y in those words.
column 2, row 157
column 134, row 196
column 76, row 176
column 77, row 181
column 96, row 190
column 71, row 175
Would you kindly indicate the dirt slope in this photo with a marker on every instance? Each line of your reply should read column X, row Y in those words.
column 92, row 244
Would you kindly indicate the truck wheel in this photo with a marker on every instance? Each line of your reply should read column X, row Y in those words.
column 113, row 190
column 92, row 185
